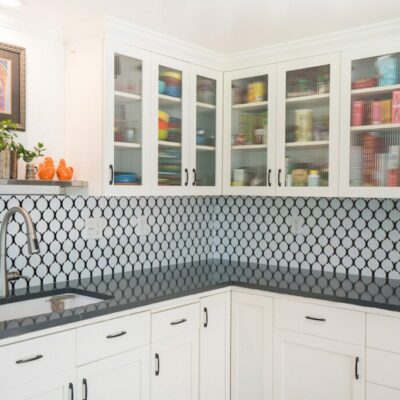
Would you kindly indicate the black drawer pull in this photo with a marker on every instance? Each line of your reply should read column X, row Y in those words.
column 157, row 372
column 111, row 181
column 315, row 319
column 205, row 317
column 181, row 321
column 269, row 177
column 85, row 389
column 26, row 360
column 279, row 177
column 71, row 391
column 115, row 335
column 194, row 177
column 356, row 368
column 186, row 176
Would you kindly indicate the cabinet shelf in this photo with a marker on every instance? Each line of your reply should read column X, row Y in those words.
column 127, row 145
column 169, row 144
column 310, row 98
column 202, row 107
column 382, row 127
column 249, row 147
column 168, row 100
column 205, row 148
column 375, row 90
column 250, row 106
column 314, row 144
column 123, row 97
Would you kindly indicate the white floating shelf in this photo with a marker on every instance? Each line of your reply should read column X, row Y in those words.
column 37, row 186
column 205, row 148
column 382, row 127
column 126, row 145
column 169, row 144
column 249, row 147
column 205, row 106
column 250, row 106
column 375, row 90
column 316, row 143
column 165, row 100
column 127, row 96
column 311, row 98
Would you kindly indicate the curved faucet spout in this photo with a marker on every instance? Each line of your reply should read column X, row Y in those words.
column 33, row 244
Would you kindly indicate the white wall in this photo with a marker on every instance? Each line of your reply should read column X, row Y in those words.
column 45, row 83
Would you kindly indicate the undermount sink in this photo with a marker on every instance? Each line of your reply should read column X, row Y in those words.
column 44, row 305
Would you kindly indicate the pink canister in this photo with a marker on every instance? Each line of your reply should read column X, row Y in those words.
column 357, row 113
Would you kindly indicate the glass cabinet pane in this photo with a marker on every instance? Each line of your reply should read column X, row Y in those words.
column 205, row 131
column 249, row 131
column 375, row 122
column 127, row 120
column 169, row 127
column 307, row 127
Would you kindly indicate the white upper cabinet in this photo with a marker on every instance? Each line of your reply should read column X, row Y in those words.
column 249, row 131
column 308, row 127
column 205, row 168
column 126, row 125
column 370, row 127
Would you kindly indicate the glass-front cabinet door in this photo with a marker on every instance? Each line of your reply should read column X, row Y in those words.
column 205, row 171
column 308, row 127
column 371, row 122
column 249, row 129
column 126, row 124
column 171, row 118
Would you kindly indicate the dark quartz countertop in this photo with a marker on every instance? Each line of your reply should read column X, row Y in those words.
column 134, row 289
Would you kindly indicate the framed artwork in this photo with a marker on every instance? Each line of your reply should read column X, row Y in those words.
column 12, row 84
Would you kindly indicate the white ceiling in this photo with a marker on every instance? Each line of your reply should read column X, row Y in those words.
column 225, row 25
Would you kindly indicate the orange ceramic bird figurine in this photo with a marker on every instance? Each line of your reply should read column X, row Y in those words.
column 64, row 173
column 46, row 170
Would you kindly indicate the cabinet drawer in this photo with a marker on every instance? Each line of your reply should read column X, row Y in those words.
column 111, row 337
column 383, row 332
column 377, row 392
column 170, row 323
column 35, row 359
column 383, row 368
column 332, row 323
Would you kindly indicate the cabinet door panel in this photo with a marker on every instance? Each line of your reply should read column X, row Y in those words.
column 215, row 347
column 252, row 322
column 307, row 367
column 56, row 387
column 377, row 392
column 122, row 377
column 175, row 368
column 249, row 131
column 308, row 126
column 371, row 122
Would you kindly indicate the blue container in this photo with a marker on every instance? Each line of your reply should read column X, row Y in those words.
column 174, row 91
column 161, row 87
column 387, row 70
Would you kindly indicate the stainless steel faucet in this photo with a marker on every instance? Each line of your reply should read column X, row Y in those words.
column 33, row 246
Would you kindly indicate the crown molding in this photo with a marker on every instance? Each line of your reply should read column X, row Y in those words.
column 37, row 27
column 125, row 32
column 321, row 44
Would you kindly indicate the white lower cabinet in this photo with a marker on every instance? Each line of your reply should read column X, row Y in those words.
column 215, row 347
column 51, row 387
column 252, row 327
column 121, row 377
column 313, row 368
column 378, row 392
column 175, row 368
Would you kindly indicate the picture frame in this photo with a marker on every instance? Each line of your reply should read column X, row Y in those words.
column 12, row 84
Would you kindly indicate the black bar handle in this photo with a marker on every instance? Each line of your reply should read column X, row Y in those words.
column 279, row 177
column 181, row 321
column 111, row 181
column 157, row 372
column 356, row 368
column 269, row 177
column 205, row 317
column 30, row 359
column 186, row 176
column 115, row 335
column 315, row 318
column 194, row 177
column 71, row 390
column 85, row 389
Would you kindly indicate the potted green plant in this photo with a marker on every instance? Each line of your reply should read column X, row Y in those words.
column 8, row 150
column 28, row 156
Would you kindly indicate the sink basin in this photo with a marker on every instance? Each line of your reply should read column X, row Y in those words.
column 44, row 305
